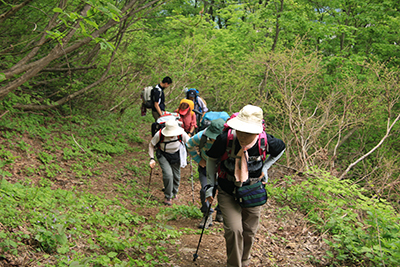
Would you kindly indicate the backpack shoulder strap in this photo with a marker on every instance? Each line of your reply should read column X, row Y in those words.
column 180, row 139
column 230, row 145
column 161, row 139
column 153, row 90
column 263, row 144
column 203, row 141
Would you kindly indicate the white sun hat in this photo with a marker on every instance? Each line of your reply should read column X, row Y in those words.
column 172, row 128
column 249, row 120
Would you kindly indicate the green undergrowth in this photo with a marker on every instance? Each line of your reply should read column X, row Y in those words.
column 73, row 228
column 85, row 142
column 365, row 231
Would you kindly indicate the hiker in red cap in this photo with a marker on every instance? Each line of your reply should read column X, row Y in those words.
column 188, row 117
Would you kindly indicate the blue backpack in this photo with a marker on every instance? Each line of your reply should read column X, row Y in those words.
column 210, row 116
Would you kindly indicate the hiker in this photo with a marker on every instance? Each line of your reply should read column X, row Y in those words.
column 158, row 97
column 199, row 104
column 241, row 164
column 167, row 143
column 197, row 147
column 188, row 117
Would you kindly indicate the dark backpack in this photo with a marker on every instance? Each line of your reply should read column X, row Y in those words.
column 230, row 153
column 151, row 95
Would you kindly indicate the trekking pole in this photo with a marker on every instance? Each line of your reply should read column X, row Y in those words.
column 191, row 174
column 195, row 255
column 148, row 187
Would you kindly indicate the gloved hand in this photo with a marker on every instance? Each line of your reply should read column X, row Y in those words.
column 209, row 193
column 152, row 163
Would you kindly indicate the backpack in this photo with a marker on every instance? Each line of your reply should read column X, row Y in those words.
column 162, row 139
column 230, row 153
column 210, row 116
column 171, row 158
column 196, row 98
column 146, row 96
column 160, row 123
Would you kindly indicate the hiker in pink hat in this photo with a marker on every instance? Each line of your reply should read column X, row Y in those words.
column 188, row 117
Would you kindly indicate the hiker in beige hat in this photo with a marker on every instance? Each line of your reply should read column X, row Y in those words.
column 167, row 143
column 239, row 156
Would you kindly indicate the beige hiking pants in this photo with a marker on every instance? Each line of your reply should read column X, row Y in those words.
column 240, row 225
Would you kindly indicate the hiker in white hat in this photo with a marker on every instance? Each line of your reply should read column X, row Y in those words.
column 239, row 156
column 167, row 143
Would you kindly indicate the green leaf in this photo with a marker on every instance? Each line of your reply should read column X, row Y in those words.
column 58, row 10
column 62, row 239
column 63, row 249
column 82, row 27
column 112, row 254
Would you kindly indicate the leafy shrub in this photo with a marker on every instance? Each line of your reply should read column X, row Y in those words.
column 364, row 229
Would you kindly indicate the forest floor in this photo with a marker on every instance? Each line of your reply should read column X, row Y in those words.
column 284, row 238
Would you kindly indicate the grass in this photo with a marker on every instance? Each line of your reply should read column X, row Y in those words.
column 71, row 227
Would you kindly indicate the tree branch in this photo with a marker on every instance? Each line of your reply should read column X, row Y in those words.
column 390, row 126
column 36, row 107
column 13, row 10
column 68, row 69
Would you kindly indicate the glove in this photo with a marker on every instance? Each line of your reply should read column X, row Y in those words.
column 152, row 163
column 209, row 191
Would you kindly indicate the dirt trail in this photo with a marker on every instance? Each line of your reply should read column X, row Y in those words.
column 284, row 238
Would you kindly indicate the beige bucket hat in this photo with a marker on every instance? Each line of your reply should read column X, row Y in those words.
column 172, row 128
column 249, row 120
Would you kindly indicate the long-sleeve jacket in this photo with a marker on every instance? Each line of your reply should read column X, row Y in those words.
column 194, row 144
column 276, row 148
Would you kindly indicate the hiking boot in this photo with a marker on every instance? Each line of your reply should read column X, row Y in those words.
column 219, row 217
column 207, row 223
column 168, row 202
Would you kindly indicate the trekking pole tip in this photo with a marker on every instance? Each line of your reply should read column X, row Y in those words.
column 195, row 256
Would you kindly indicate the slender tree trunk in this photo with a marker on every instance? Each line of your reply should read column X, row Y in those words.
column 277, row 30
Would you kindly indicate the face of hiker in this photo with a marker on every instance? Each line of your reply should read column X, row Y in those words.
column 184, row 106
column 245, row 138
column 165, row 85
